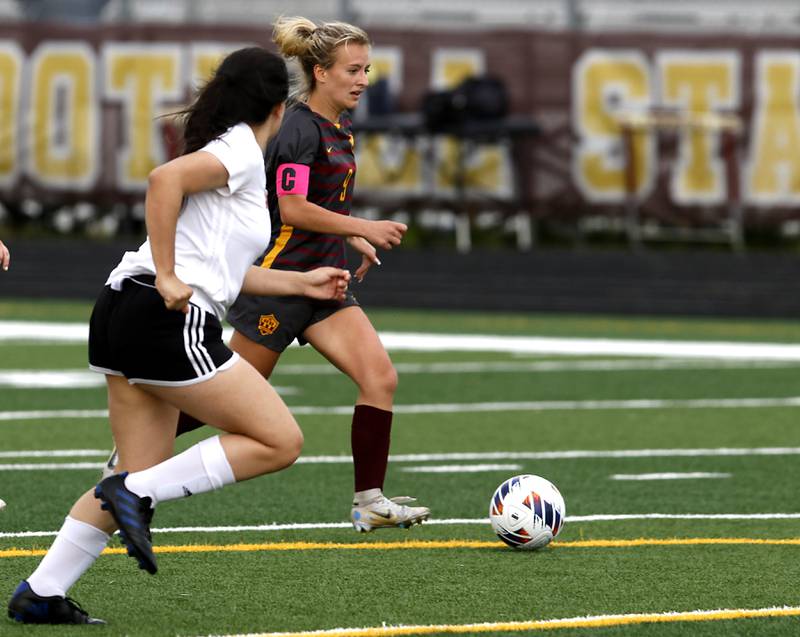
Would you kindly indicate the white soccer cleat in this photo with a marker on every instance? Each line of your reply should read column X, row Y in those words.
column 385, row 513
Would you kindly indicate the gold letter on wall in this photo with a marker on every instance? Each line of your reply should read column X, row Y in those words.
column 63, row 112
column 774, row 162
column 608, row 85
column 699, row 84
column 143, row 77
column 11, row 61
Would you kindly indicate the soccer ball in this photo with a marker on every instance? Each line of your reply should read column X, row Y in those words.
column 527, row 512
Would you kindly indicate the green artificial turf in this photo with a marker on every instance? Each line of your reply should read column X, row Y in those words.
column 265, row 590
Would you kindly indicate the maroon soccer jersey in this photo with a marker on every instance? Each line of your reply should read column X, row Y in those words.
column 309, row 149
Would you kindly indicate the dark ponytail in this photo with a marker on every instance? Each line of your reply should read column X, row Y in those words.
column 247, row 85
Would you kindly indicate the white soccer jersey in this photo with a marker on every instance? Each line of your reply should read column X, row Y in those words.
column 220, row 232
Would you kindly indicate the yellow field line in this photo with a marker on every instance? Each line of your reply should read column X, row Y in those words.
column 601, row 621
column 426, row 544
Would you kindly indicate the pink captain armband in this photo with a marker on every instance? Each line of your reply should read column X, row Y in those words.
column 292, row 179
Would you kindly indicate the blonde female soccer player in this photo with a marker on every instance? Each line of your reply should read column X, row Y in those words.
column 311, row 173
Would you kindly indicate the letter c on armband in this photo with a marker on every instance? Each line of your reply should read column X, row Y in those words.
column 292, row 179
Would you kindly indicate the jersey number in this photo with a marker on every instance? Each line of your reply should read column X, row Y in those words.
column 344, row 184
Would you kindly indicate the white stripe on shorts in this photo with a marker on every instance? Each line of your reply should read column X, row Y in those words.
column 190, row 334
column 187, row 336
column 201, row 350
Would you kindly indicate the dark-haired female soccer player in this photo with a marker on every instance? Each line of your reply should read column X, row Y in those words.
column 155, row 333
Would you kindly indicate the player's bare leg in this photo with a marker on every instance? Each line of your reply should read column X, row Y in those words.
column 263, row 359
column 349, row 341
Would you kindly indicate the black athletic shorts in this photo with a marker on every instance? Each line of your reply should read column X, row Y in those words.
column 132, row 334
column 275, row 321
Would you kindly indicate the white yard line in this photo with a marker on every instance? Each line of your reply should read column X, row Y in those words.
column 51, row 379
column 44, row 332
column 589, row 346
column 78, row 333
column 303, row 526
column 55, row 453
column 460, row 408
column 53, row 466
column 567, row 454
column 696, row 475
column 683, row 516
column 580, row 453
column 83, row 378
column 97, row 466
column 482, row 367
column 572, row 405
column 73, row 379
column 462, row 468
column 50, row 414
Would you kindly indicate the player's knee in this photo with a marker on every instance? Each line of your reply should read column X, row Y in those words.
column 294, row 445
column 385, row 380
column 380, row 383
column 288, row 449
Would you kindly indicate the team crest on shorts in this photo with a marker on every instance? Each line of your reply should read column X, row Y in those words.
column 267, row 324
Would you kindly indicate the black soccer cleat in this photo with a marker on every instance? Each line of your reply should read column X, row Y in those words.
column 133, row 515
column 27, row 607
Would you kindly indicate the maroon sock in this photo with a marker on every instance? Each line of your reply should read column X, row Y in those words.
column 187, row 423
column 369, row 438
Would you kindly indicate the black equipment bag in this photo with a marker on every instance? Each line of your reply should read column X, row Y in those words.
column 476, row 98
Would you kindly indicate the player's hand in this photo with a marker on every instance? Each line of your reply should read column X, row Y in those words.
column 385, row 234
column 326, row 283
column 5, row 256
column 369, row 256
column 176, row 293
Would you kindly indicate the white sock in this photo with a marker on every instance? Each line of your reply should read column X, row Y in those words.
column 202, row 467
column 74, row 550
column 365, row 497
